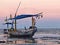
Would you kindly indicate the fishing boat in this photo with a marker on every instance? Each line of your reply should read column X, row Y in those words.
column 8, row 23
column 26, row 32
column 14, row 32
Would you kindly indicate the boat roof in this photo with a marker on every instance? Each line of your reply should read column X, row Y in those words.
column 25, row 16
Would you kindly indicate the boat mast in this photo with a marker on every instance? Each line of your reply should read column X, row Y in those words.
column 16, row 14
column 33, row 22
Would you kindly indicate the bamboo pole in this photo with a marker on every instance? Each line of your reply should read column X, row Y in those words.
column 16, row 14
column 33, row 22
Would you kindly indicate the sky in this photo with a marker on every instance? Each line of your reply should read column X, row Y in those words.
column 50, row 9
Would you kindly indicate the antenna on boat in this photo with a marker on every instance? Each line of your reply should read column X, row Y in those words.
column 16, row 13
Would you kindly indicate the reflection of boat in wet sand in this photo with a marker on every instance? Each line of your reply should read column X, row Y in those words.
column 23, row 33
column 21, row 40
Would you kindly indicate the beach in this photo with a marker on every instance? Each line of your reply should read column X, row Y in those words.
column 41, row 37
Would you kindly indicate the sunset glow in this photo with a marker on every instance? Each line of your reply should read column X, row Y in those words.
column 50, row 8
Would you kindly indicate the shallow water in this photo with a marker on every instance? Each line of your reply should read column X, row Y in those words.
column 40, row 38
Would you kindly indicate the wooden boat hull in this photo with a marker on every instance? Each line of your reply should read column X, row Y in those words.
column 20, row 36
column 28, row 33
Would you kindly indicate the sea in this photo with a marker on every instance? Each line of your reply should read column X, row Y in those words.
column 43, row 36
